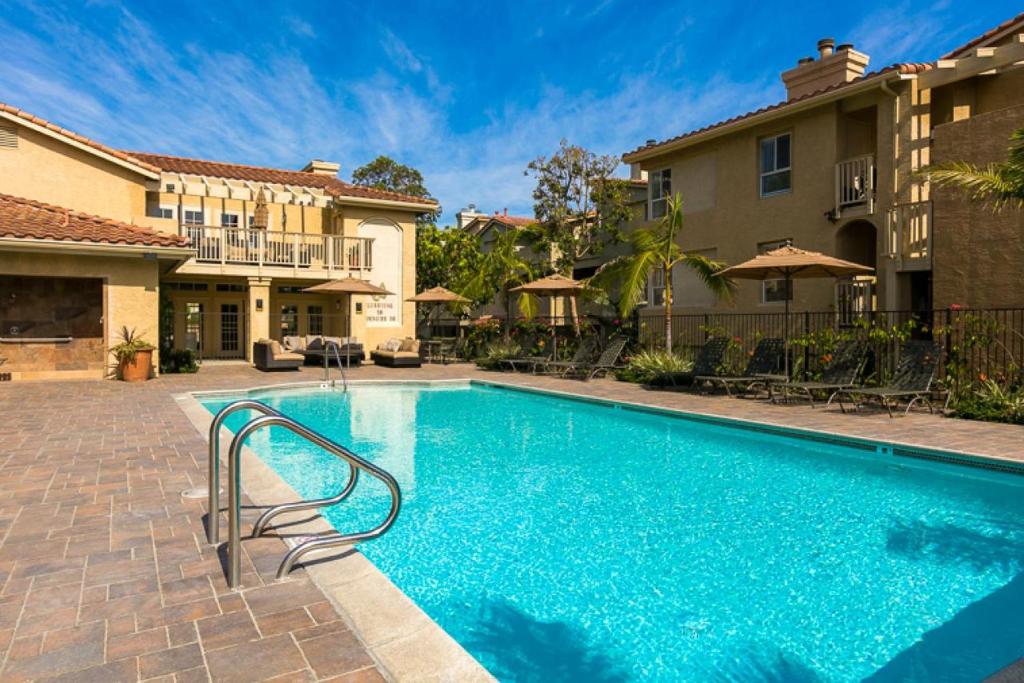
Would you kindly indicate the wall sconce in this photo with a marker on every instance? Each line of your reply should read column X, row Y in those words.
column 259, row 305
column 359, row 308
column 337, row 304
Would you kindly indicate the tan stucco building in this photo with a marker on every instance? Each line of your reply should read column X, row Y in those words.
column 835, row 168
column 191, row 228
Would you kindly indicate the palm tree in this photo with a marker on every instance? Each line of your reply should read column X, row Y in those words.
column 1000, row 184
column 655, row 249
column 502, row 269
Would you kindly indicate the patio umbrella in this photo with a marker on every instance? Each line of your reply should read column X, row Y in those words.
column 437, row 296
column 555, row 285
column 789, row 263
column 261, row 215
column 347, row 285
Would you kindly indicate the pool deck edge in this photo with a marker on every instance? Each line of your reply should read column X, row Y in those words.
column 398, row 634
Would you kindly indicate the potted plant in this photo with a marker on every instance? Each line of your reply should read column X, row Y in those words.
column 134, row 356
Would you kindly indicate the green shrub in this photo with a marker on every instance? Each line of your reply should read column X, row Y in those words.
column 178, row 361
column 992, row 402
column 497, row 352
column 653, row 367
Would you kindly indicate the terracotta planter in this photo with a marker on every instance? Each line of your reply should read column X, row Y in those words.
column 138, row 369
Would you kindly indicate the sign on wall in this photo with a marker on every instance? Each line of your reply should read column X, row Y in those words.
column 384, row 311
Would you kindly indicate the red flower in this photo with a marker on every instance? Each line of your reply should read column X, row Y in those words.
column 955, row 307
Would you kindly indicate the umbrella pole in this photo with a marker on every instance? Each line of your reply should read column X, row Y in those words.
column 785, row 327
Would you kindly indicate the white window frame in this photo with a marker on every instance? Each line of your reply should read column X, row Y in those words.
column 659, row 189
column 159, row 210
column 656, row 288
column 185, row 216
column 776, row 169
column 224, row 215
column 773, row 283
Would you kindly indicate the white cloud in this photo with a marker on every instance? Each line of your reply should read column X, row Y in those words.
column 130, row 89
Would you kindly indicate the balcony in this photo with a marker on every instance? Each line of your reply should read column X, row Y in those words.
column 855, row 299
column 301, row 254
column 909, row 235
column 855, row 185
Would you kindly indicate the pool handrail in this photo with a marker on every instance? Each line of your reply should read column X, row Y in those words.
column 213, row 468
column 329, row 540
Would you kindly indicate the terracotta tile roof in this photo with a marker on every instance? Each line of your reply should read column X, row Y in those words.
column 903, row 68
column 29, row 219
column 987, row 35
column 220, row 169
column 515, row 221
column 116, row 153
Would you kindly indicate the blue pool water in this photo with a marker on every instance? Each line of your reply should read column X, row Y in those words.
column 558, row 539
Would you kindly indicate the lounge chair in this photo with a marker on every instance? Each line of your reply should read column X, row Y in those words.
column 585, row 353
column 607, row 361
column 762, row 367
column 522, row 362
column 842, row 372
column 912, row 380
column 707, row 363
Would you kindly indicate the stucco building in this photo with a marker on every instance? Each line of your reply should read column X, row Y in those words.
column 232, row 246
column 835, row 168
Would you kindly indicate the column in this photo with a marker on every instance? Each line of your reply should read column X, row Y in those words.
column 257, row 315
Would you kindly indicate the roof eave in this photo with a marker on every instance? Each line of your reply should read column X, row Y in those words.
column 757, row 119
column 94, row 248
column 383, row 203
column 43, row 130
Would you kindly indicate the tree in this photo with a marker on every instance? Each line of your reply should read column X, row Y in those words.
column 1001, row 184
column 384, row 173
column 501, row 269
column 578, row 204
column 446, row 257
column 655, row 249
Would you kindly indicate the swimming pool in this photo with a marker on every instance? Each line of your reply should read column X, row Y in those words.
column 559, row 539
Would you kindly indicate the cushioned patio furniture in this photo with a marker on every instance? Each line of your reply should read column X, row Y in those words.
column 398, row 353
column 313, row 347
column 842, row 372
column 912, row 380
column 268, row 354
column 762, row 368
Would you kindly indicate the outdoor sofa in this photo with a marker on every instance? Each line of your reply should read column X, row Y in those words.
column 313, row 348
column 398, row 353
column 268, row 354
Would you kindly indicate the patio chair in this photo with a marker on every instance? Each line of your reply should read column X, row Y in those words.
column 527, row 362
column 762, row 367
column 912, row 380
column 842, row 372
column 607, row 361
column 585, row 353
column 707, row 363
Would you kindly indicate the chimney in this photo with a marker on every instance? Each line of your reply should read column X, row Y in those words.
column 506, row 211
column 320, row 167
column 466, row 216
column 637, row 173
column 833, row 66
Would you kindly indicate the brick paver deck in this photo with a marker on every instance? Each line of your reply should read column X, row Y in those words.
column 104, row 569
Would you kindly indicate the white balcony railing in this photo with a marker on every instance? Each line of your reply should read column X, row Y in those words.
column 909, row 235
column 855, row 299
column 258, row 247
column 855, row 184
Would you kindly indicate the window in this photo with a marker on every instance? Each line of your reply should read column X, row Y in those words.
column 194, row 326
column 774, row 290
column 159, row 212
column 775, row 165
column 657, row 288
column 193, row 217
column 289, row 320
column 660, row 187
column 252, row 218
column 229, row 220
column 316, row 319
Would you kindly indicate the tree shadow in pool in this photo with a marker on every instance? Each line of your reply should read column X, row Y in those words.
column 518, row 647
column 778, row 668
column 950, row 543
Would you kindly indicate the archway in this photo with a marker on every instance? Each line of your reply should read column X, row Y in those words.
column 857, row 241
column 855, row 297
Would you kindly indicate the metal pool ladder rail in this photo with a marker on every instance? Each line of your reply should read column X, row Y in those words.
column 327, row 365
column 273, row 418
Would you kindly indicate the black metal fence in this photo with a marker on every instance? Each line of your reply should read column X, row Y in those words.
column 978, row 343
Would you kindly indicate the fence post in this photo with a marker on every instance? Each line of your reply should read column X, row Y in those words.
column 807, row 347
column 946, row 342
column 707, row 320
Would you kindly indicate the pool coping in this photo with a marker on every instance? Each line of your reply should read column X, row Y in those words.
column 402, row 639
column 398, row 634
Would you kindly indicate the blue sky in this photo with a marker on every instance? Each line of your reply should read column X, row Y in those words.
column 467, row 92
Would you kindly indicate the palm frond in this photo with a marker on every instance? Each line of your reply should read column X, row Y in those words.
column 994, row 183
column 528, row 305
column 635, row 275
column 707, row 270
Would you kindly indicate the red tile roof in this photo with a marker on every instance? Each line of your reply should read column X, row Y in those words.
column 987, row 35
column 29, row 219
column 116, row 153
column 908, row 68
column 220, row 169
column 516, row 221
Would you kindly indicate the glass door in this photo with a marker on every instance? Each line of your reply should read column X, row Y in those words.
column 230, row 330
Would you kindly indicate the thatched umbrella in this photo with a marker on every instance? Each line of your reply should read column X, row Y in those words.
column 554, row 285
column 789, row 263
column 437, row 296
column 261, row 215
column 348, row 285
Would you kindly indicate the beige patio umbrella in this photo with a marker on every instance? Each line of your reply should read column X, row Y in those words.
column 554, row 285
column 348, row 285
column 437, row 296
column 789, row 263
column 261, row 215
